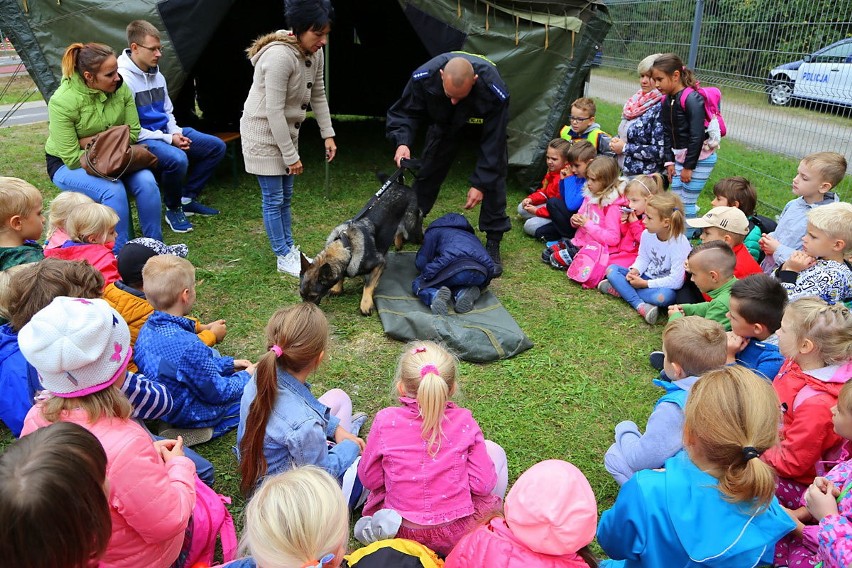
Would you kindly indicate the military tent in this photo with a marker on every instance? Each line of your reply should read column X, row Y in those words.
column 543, row 49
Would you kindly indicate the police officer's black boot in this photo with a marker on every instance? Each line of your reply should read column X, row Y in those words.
column 492, row 246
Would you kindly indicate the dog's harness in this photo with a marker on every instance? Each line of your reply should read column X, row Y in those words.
column 394, row 178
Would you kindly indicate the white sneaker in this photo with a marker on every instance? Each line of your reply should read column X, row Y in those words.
column 291, row 263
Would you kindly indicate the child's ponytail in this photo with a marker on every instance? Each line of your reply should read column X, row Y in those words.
column 828, row 327
column 427, row 372
column 670, row 207
column 731, row 418
column 297, row 337
column 668, row 63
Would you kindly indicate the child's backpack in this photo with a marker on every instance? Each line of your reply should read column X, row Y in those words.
column 396, row 553
column 588, row 267
column 712, row 105
column 210, row 519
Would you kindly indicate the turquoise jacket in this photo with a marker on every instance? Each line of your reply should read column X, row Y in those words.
column 75, row 111
column 678, row 517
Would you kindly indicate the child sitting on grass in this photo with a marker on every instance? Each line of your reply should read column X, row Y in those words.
column 546, row 529
column 658, row 272
column 205, row 385
column 559, row 209
column 711, row 265
column 127, row 294
column 691, row 347
column 91, row 237
column 816, row 340
column 755, row 311
column 712, row 505
column 820, row 268
column 21, row 223
column 558, row 161
column 599, row 220
column 739, row 192
column 57, row 214
column 282, row 424
column 427, row 459
column 816, row 176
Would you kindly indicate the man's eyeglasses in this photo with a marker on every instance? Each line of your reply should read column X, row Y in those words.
column 578, row 118
column 153, row 49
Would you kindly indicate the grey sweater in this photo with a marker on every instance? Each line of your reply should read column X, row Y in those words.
column 285, row 82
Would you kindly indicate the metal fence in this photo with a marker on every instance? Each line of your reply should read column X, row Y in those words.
column 785, row 67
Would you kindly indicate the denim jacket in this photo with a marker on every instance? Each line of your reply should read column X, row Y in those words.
column 298, row 430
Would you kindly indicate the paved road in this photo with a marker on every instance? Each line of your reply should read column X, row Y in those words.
column 762, row 127
column 28, row 113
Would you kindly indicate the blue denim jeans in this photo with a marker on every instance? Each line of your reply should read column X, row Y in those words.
column 203, row 468
column 276, row 192
column 141, row 185
column 456, row 283
column 200, row 161
column 634, row 296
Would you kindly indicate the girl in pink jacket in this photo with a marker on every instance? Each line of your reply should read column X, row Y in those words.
column 80, row 349
column 600, row 219
column 91, row 237
column 550, row 516
column 428, row 459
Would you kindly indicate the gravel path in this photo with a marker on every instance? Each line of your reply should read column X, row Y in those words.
column 761, row 127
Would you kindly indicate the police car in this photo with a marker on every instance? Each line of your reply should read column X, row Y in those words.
column 824, row 76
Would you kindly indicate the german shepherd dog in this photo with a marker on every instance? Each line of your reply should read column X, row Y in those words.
column 358, row 246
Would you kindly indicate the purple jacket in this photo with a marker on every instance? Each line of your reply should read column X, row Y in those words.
column 401, row 475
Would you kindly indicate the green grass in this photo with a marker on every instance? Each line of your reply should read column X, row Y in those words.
column 18, row 88
column 561, row 399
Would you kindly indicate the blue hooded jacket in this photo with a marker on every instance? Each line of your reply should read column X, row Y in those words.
column 450, row 246
column 678, row 517
column 18, row 381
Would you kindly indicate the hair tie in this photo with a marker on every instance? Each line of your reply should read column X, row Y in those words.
column 675, row 209
column 429, row 368
column 749, row 453
column 319, row 563
column 417, row 350
column 277, row 350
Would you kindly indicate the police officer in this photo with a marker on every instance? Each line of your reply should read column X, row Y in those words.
column 448, row 92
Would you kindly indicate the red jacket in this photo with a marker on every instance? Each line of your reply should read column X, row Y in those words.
column 99, row 256
column 807, row 432
column 746, row 265
column 549, row 189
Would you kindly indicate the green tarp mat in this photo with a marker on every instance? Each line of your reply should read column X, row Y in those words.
column 487, row 333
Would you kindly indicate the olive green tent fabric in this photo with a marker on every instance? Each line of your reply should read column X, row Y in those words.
column 487, row 333
column 543, row 49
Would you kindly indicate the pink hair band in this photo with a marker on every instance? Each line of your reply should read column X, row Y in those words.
column 277, row 350
column 429, row 368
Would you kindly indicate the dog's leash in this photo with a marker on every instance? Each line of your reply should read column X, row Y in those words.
column 404, row 164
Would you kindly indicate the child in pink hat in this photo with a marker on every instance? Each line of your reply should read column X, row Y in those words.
column 547, row 528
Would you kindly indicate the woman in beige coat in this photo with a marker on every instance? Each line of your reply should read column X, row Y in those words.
column 288, row 77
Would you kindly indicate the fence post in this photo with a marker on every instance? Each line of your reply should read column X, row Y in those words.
column 696, row 32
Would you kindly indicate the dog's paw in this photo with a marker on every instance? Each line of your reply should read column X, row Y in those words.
column 398, row 241
column 366, row 306
column 337, row 289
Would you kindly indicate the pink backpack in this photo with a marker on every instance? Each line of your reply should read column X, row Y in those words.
column 712, row 105
column 210, row 519
column 589, row 266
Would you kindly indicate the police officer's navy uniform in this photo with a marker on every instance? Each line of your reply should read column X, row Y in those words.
column 424, row 101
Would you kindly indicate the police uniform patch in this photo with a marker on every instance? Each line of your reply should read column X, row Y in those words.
column 417, row 75
column 503, row 95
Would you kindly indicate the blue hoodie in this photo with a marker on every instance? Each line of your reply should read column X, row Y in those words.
column 678, row 517
column 18, row 381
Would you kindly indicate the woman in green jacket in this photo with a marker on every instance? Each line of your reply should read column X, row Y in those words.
column 91, row 99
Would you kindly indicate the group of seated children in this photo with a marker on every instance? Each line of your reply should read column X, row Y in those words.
column 630, row 234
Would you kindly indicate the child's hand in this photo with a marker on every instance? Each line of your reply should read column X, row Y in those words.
column 632, row 272
column 798, row 261
column 525, row 201
column 675, row 309
column 617, row 145
column 218, row 328
column 243, row 365
column 670, row 171
column 169, row 449
column 685, row 175
column 341, row 434
column 565, row 172
column 822, row 484
column 735, row 345
column 578, row 220
column 768, row 244
column 821, row 503
column 529, row 208
column 636, row 280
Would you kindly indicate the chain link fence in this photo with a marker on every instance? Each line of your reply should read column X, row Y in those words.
column 785, row 68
